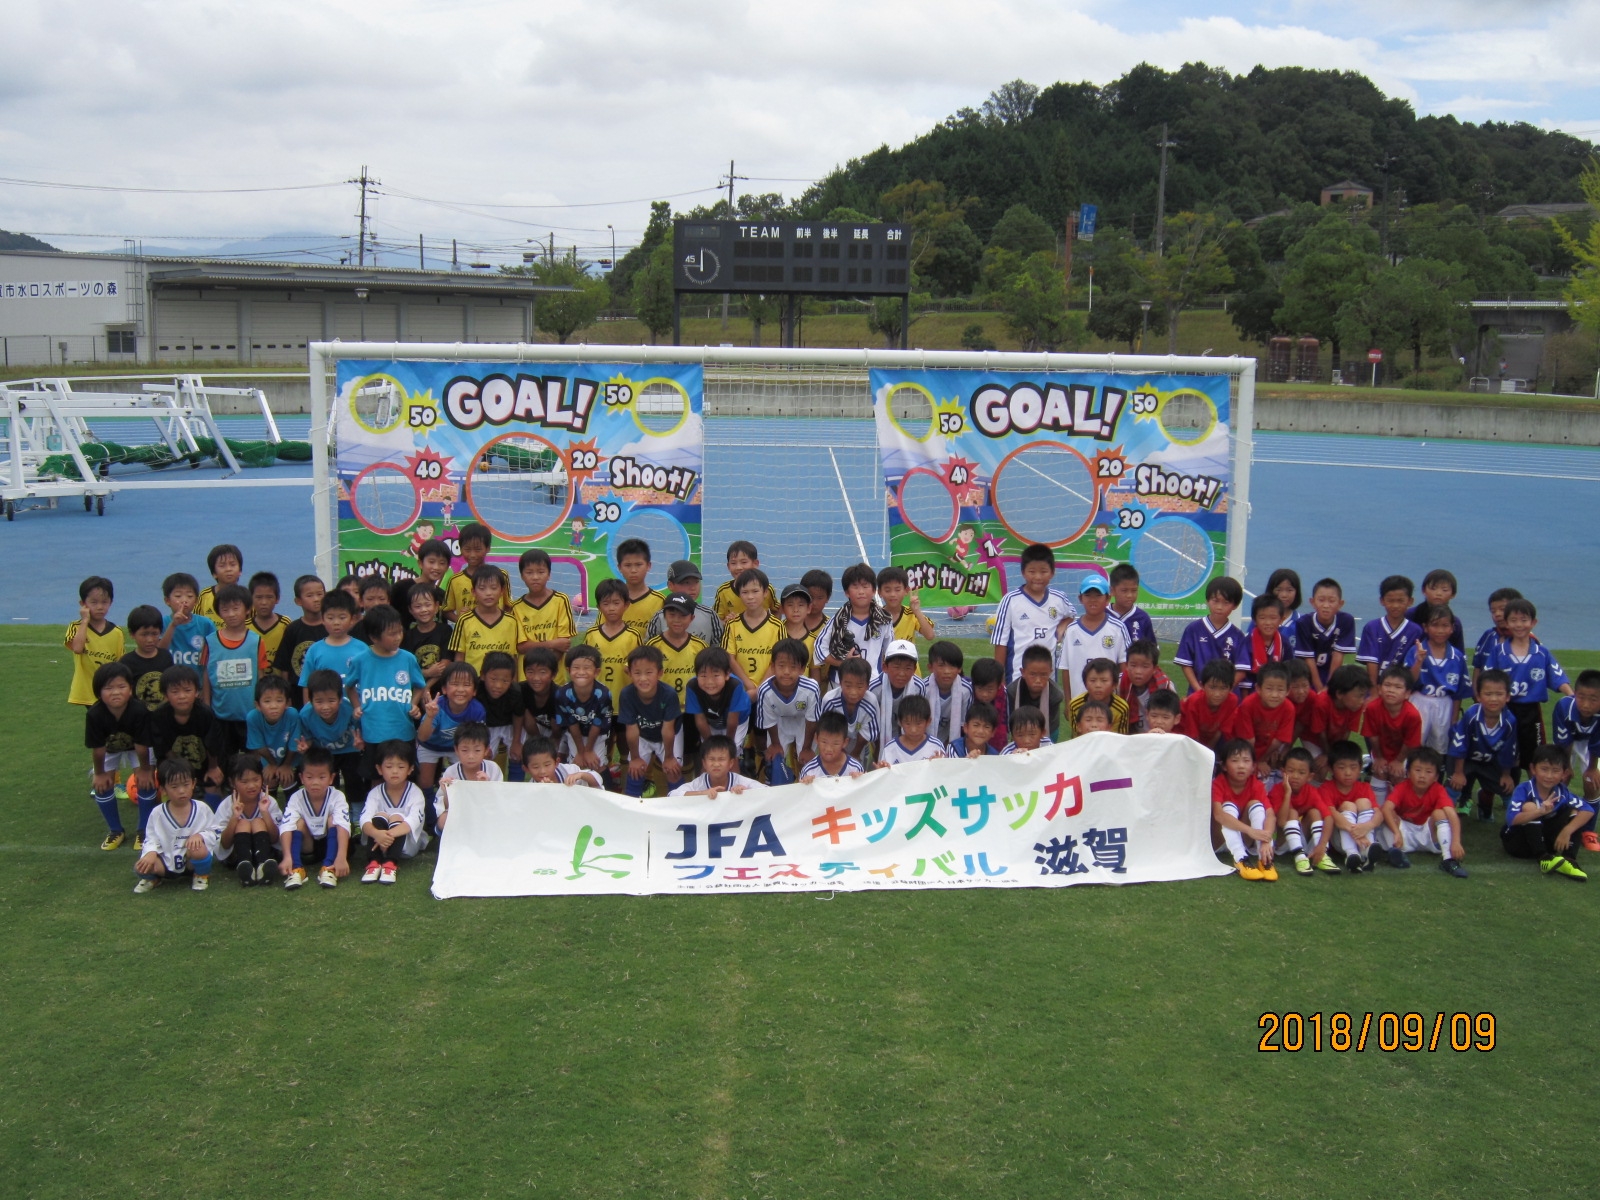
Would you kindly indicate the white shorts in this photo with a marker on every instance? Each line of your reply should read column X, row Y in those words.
column 426, row 754
column 1412, row 837
column 651, row 751
column 120, row 760
column 1436, row 721
column 1380, row 791
column 499, row 739
column 1580, row 761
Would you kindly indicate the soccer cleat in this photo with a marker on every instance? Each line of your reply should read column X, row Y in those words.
column 1326, row 863
column 268, row 872
column 246, row 873
column 1370, row 860
column 294, row 879
column 1550, row 864
column 374, row 869
column 1452, row 866
column 1397, row 858
column 327, row 878
column 138, row 842
column 388, row 873
column 1302, row 864
column 1248, row 868
column 1591, row 841
column 120, row 791
column 113, row 840
column 145, row 885
column 200, row 884
column 1269, row 873
column 1571, row 870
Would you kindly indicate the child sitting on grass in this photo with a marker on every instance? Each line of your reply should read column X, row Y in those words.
column 391, row 820
column 1302, row 814
column 247, row 824
column 472, row 762
column 1164, row 712
column 1239, row 807
column 913, row 744
column 1354, row 810
column 1093, row 717
column 1418, row 814
column 1544, row 817
column 718, row 776
column 182, row 834
column 316, row 825
column 831, row 760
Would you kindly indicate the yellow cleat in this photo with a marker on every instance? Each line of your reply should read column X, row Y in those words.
column 1248, row 869
column 113, row 840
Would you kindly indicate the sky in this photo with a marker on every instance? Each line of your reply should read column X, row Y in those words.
column 500, row 122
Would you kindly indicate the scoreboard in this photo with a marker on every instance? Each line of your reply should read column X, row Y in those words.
column 775, row 257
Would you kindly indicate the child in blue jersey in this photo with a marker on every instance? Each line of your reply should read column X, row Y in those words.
column 328, row 720
column 583, row 710
column 1498, row 599
column 831, row 760
column 1389, row 639
column 1439, row 669
column 1534, row 674
column 385, row 687
column 649, row 714
column 1438, row 591
column 1544, row 818
column 1575, row 727
column 1125, row 604
column 1326, row 634
column 977, row 733
column 1483, row 746
column 337, row 649
column 1027, row 730
column 715, row 702
column 182, row 835
column 913, row 744
column 272, row 731
column 456, row 704
column 233, row 660
column 1213, row 636
column 187, row 630
column 1031, row 615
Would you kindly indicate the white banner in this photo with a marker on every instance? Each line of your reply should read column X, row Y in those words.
column 1103, row 808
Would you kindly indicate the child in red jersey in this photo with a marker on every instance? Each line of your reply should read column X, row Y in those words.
column 1300, row 695
column 1265, row 644
column 1302, row 813
column 1265, row 719
column 1239, row 808
column 1392, row 725
column 1419, row 815
column 1141, row 679
column 1336, row 713
column 1351, row 805
column 1208, row 712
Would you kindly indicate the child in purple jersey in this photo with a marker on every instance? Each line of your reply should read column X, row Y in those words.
column 1212, row 636
column 1389, row 639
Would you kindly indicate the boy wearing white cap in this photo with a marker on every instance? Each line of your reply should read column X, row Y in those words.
column 1098, row 633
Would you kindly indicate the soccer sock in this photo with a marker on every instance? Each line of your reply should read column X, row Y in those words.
column 1348, row 841
column 261, row 848
column 1316, row 832
column 107, row 803
column 147, row 805
column 1293, row 837
column 1441, row 830
column 332, row 852
column 296, row 840
column 1235, row 843
column 202, row 866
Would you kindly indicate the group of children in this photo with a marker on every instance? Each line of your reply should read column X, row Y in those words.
column 243, row 736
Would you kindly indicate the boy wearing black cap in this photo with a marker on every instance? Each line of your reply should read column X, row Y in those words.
column 794, row 610
column 683, row 579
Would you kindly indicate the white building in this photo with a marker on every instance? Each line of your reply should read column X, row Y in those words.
column 57, row 309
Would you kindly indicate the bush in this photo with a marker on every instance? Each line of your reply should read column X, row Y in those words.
column 973, row 337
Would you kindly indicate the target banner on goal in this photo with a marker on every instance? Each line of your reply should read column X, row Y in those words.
column 571, row 458
column 1104, row 469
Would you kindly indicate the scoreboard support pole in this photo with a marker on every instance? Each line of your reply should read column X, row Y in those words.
column 677, row 319
column 905, row 322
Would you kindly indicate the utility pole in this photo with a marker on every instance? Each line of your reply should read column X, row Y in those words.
column 361, row 238
column 1161, row 191
column 731, row 178
column 422, row 262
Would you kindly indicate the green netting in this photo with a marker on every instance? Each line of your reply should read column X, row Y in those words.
column 157, row 457
column 526, row 460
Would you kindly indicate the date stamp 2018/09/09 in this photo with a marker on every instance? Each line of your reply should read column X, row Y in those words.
column 1411, row 1032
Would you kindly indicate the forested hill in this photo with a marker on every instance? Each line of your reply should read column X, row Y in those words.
column 21, row 241
column 1253, row 143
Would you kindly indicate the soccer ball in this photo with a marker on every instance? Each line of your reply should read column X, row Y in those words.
column 990, row 622
column 960, row 612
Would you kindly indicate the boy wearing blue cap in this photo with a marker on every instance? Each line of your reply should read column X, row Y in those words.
column 1096, row 634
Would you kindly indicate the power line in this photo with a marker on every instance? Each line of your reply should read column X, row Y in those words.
column 586, row 204
column 99, row 187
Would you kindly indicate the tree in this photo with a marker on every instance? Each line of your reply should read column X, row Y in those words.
column 652, row 292
column 564, row 313
column 1333, row 262
column 938, row 232
column 1118, row 317
column 1195, row 265
column 1454, row 234
column 1022, row 231
column 1034, row 301
column 657, row 231
column 1010, row 103
column 762, row 310
column 1414, row 306
column 1583, row 293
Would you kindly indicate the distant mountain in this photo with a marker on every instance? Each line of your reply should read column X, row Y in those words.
column 21, row 241
column 1255, row 143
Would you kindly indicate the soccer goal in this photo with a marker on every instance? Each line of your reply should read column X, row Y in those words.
column 947, row 463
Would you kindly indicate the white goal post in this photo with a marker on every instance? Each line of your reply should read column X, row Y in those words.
column 848, row 395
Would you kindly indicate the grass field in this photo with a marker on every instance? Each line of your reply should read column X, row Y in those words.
column 1095, row 1041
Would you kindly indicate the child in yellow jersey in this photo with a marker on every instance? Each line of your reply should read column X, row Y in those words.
column 226, row 564
column 458, row 592
column 679, row 648
column 742, row 557
column 903, row 605
column 264, row 618
column 644, row 602
column 544, row 616
column 753, row 633
column 487, row 627
column 612, row 637
column 93, row 640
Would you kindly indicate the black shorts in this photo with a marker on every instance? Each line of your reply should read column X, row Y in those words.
column 1530, row 730
column 230, row 740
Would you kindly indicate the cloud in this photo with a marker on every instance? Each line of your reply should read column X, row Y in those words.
column 566, row 102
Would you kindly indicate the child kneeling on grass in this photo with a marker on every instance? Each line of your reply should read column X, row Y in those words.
column 316, row 819
column 1544, row 817
column 1239, row 807
column 181, row 836
column 391, row 820
column 1418, row 814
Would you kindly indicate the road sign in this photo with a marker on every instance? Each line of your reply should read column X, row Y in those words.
column 1088, row 218
column 1374, row 356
